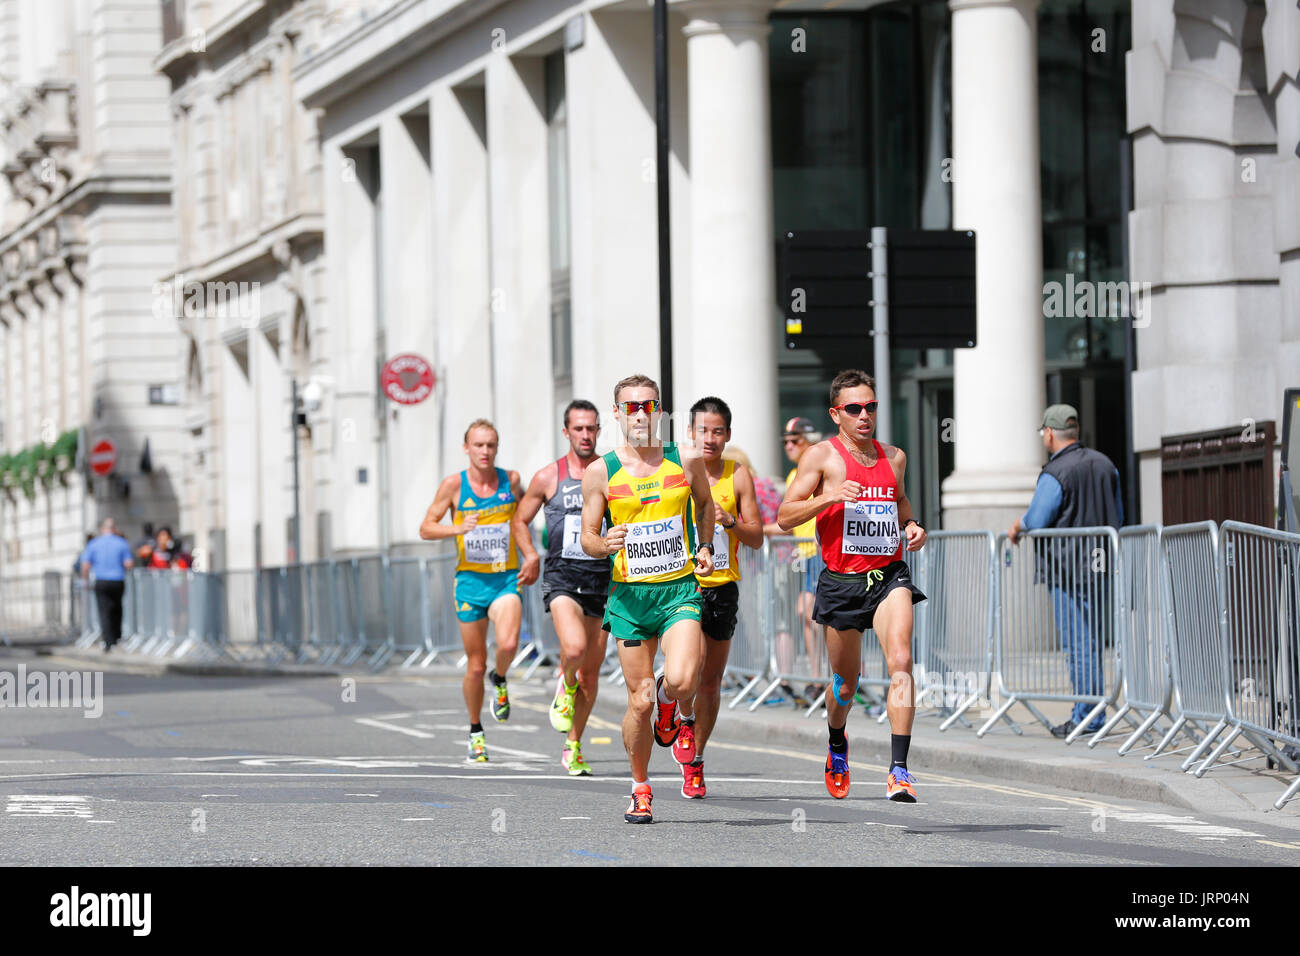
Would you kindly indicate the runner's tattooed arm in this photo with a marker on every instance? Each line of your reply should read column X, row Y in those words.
column 432, row 528
column 914, row 533
column 539, row 489
column 819, row 468
column 749, row 524
column 595, row 485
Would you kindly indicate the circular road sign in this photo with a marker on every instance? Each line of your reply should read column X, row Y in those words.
column 407, row 379
column 103, row 456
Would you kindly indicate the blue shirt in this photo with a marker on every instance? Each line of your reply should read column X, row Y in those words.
column 105, row 555
column 1046, row 503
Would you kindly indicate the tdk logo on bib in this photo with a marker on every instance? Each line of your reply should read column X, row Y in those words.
column 870, row 528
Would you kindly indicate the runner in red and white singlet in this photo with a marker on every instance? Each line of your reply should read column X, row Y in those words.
column 854, row 487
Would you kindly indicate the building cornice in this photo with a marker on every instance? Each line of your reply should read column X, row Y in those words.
column 296, row 230
column 406, row 29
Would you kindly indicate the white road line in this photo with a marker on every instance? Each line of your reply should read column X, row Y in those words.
column 205, row 795
column 382, row 725
column 360, row 794
column 35, row 805
column 575, row 818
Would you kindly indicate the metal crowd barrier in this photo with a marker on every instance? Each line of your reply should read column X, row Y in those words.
column 1143, row 645
column 1259, row 580
column 750, row 656
column 39, row 607
column 1193, row 610
column 798, row 648
column 1056, row 617
column 952, row 642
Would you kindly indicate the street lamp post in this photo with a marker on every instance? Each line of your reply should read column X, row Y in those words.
column 295, row 419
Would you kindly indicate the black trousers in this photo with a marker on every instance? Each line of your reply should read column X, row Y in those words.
column 108, row 596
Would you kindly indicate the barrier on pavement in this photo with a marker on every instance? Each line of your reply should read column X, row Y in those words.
column 1196, row 623
column 952, row 647
column 1259, row 578
column 1193, row 606
column 1143, row 646
column 1056, row 616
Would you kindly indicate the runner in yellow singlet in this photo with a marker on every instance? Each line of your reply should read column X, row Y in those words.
column 737, row 521
column 656, row 501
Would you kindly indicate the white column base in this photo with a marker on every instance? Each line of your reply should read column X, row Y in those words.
column 986, row 500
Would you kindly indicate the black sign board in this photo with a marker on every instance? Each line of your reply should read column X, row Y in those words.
column 827, row 287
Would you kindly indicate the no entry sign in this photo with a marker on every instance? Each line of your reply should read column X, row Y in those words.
column 407, row 379
column 103, row 456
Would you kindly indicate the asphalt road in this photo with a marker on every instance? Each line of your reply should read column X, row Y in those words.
column 205, row 770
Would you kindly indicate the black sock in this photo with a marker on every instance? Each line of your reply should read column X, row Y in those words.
column 476, row 728
column 497, row 679
column 898, row 744
column 839, row 743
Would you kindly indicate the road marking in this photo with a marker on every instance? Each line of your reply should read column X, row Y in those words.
column 594, row 856
column 384, row 725
column 101, row 821
column 417, row 819
column 600, row 740
column 1180, row 824
column 360, row 794
column 206, row 795
column 33, row 805
column 575, row 818
column 1285, row 846
column 927, row 777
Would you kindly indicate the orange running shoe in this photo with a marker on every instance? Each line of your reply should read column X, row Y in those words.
column 667, row 724
column 693, row 781
column 837, row 774
column 638, row 811
column 899, row 786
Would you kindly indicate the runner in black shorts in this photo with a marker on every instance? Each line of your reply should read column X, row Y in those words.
column 863, row 521
column 737, row 521
column 574, row 585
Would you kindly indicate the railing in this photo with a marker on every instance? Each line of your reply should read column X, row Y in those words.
column 1196, row 627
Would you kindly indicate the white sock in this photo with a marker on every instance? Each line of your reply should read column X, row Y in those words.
column 663, row 697
column 640, row 783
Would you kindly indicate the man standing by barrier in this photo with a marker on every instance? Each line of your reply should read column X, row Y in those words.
column 862, row 516
column 482, row 500
column 656, row 500
column 109, row 557
column 574, row 584
column 1077, row 488
column 737, row 521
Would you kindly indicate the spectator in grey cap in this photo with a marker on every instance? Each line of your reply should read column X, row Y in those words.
column 1077, row 488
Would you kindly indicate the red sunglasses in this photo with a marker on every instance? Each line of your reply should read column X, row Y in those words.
column 856, row 408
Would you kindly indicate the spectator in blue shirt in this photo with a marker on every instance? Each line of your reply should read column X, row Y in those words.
column 108, row 556
column 1078, row 488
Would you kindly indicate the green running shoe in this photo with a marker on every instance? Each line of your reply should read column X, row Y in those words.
column 562, row 707
column 501, row 706
column 572, row 760
column 477, row 748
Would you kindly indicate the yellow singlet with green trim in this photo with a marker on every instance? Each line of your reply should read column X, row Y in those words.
column 726, row 567
column 488, row 548
column 660, row 543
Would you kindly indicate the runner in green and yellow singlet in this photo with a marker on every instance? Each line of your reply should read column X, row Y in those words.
column 655, row 499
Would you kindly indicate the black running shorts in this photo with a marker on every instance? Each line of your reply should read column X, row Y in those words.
column 719, row 609
column 848, row 602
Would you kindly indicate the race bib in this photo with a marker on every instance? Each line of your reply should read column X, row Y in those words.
column 721, row 549
column 870, row 528
column 573, row 539
column 654, row 547
column 488, row 544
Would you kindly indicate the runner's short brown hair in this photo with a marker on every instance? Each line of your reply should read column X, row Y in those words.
column 481, row 423
column 636, row 381
column 850, row 378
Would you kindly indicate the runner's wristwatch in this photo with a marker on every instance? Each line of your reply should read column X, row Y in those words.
column 912, row 521
column 707, row 544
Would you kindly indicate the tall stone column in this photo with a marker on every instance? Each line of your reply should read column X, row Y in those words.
column 998, row 385
column 731, row 347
